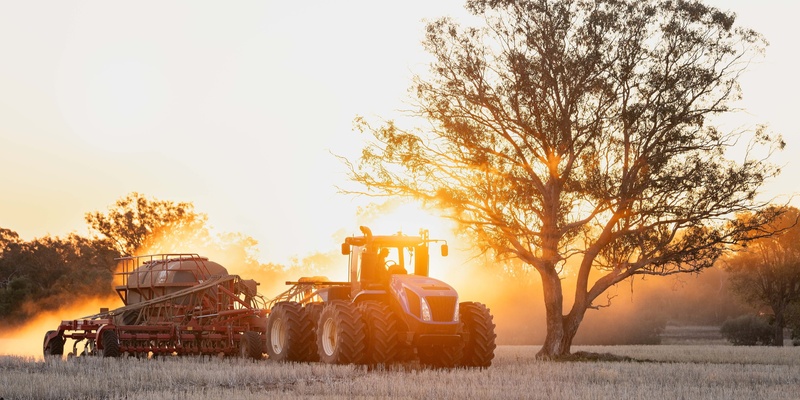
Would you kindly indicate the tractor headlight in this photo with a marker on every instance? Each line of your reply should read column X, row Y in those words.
column 425, row 309
column 455, row 315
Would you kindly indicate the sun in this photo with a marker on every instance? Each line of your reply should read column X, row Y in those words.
column 409, row 218
column 406, row 217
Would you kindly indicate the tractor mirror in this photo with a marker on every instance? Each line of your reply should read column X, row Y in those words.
column 345, row 249
column 444, row 250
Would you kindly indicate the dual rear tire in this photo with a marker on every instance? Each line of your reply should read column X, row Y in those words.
column 365, row 333
column 338, row 332
column 288, row 332
column 341, row 334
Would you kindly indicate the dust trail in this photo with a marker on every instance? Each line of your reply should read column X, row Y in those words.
column 26, row 339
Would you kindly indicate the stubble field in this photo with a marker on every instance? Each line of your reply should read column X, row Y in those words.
column 670, row 372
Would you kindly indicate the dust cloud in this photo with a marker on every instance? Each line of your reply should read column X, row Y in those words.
column 27, row 339
column 633, row 312
column 636, row 311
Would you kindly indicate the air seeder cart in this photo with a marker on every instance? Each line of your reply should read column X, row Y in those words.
column 174, row 304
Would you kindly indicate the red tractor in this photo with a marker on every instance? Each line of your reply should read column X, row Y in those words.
column 389, row 311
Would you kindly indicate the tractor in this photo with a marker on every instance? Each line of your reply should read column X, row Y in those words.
column 389, row 311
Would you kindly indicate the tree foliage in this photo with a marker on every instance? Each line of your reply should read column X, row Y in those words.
column 577, row 133
column 747, row 330
column 135, row 223
column 767, row 271
column 47, row 273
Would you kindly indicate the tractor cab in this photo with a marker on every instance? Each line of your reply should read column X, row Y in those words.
column 374, row 259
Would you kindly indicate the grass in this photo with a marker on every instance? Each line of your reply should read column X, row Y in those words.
column 685, row 372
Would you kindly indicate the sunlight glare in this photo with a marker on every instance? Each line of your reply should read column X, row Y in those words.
column 409, row 218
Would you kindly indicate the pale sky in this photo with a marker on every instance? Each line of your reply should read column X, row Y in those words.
column 237, row 107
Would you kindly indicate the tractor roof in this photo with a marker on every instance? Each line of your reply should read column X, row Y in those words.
column 386, row 241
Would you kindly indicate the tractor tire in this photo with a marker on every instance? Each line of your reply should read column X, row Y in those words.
column 110, row 344
column 55, row 347
column 341, row 335
column 381, row 328
column 312, row 312
column 440, row 356
column 250, row 345
column 477, row 331
column 286, row 332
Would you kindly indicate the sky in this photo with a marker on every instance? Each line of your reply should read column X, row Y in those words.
column 240, row 108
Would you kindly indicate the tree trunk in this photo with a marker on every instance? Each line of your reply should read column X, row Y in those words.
column 780, row 324
column 561, row 329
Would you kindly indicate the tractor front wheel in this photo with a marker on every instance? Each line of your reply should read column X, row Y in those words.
column 477, row 331
column 381, row 327
column 341, row 334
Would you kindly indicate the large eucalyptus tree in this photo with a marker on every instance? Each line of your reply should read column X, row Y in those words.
column 577, row 133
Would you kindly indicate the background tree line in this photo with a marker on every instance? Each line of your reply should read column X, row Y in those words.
column 45, row 274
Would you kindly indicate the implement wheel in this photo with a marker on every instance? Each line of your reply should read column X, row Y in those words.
column 250, row 345
column 110, row 344
column 55, row 347
column 341, row 335
column 477, row 331
column 381, row 328
column 286, row 329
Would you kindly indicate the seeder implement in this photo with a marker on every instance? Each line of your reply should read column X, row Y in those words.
column 174, row 305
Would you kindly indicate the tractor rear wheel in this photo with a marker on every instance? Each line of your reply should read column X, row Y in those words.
column 341, row 335
column 110, row 344
column 286, row 330
column 381, row 327
column 55, row 347
column 311, row 312
column 477, row 330
column 250, row 345
column 440, row 356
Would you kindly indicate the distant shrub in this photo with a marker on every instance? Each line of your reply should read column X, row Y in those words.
column 747, row 330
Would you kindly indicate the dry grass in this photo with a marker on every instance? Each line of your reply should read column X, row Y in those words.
column 690, row 372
